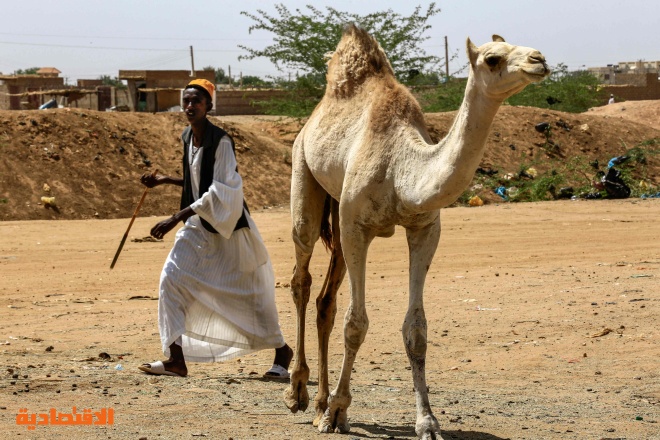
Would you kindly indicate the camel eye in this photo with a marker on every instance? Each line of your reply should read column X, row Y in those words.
column 493, row 61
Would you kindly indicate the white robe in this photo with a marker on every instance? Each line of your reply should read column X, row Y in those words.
column 217, row 291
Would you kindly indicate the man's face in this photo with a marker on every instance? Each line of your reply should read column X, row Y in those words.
column 194, row 105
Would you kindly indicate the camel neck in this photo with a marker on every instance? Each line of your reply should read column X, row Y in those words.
column 465, row 143
column 450, row 165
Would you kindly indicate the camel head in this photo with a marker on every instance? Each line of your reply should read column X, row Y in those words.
column 501, row 70
column 358, row 56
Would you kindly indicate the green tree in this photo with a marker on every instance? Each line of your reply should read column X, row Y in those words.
column 303, row 40
column 255, row 81
column 220, row 75
column 110, row 81
column 28, row 71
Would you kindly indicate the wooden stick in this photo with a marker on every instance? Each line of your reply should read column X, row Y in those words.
column 137, row 209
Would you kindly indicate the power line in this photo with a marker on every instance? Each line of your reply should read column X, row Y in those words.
column 13, row 34
column 113, row 48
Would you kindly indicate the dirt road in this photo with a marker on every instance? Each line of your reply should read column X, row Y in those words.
column 543, row 324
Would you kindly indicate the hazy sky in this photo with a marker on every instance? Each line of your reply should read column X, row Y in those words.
column 90, row 38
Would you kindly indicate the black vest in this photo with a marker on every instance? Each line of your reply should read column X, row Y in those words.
column 212, row 136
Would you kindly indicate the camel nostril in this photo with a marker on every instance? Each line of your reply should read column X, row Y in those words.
column 537, row 58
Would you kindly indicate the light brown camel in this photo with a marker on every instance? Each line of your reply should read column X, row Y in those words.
column 365, row 157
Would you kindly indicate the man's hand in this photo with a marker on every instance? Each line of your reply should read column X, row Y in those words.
column 150, row 180
column 164, row 227
column 167, row 225
column 155, row 179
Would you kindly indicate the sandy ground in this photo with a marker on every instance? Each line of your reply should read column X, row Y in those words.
column 543, row 324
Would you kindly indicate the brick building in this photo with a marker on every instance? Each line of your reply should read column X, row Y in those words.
column 29, row 92
column 158, row 90
column 633, row 81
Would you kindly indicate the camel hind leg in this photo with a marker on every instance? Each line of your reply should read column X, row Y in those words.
column 355, row 241
column 326, row 306
column 307, row 205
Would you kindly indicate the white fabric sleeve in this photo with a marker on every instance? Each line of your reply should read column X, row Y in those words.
column 222, row 204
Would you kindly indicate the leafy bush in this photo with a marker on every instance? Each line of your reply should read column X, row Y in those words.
column 576, row 172
column 300, row 98
column 573, row 92
column 443, row 98
column 634, row 170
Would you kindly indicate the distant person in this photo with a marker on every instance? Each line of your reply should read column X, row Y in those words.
column 217, row 288
column 611, row 101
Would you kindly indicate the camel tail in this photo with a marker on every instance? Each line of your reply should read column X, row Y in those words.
column 326, row 228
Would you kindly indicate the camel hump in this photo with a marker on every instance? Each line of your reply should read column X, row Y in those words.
column 358, row 56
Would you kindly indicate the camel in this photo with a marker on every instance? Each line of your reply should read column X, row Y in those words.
column 364, row 163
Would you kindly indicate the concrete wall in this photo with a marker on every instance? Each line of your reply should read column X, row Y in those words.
column 241, row 102
column 11, row 86
column 644, row 87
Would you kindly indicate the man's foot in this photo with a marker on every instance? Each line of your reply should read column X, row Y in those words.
column 283, row 356
column 174, row 366
column 279, row 370
column 167, row 368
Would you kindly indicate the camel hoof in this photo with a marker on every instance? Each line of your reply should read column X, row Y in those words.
column 321, row 404
column 343, row 429
column 317, row 419
column 338, row 423
column 296, row 399
column 428, row 428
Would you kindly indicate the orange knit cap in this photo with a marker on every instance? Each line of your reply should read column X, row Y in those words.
column 204, row 84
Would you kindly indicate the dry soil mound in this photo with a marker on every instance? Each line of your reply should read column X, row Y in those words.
column 644, row 112
column 90, row 162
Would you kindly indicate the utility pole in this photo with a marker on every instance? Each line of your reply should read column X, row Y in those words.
column 192, row 63
column 446, row 59
column 229, row 75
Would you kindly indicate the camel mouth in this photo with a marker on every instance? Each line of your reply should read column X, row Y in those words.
column 537, row 73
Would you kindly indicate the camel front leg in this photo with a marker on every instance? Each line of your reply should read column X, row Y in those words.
column 296, row 396
column 326, row 306
column 355, row 244
column 422, row 244
column 307, row 205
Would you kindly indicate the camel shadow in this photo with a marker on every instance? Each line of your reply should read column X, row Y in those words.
column 407, row 431
column 470, row 435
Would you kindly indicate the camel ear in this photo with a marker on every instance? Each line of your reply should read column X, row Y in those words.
column 472, row 52
column 497, row 38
